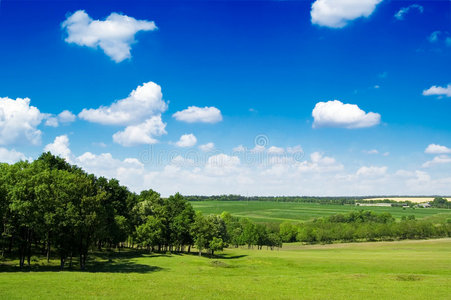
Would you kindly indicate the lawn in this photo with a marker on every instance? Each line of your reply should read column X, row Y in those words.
column 266, row 211
column 384, row 270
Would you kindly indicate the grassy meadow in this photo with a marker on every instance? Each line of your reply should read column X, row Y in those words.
column 277, row 212
column 384, row 270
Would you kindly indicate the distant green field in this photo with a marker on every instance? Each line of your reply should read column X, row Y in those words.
column 265, row 211
column 384, row 270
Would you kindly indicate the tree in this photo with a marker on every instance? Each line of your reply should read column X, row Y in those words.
column 216, row 244
column 288, row 232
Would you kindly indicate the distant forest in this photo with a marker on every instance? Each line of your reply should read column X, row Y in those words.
column 49, row 208
column 438, row 202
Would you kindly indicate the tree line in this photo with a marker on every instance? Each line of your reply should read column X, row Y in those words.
column 49, row 207
column 361, row 226
column 304, row 199
column 438, row 202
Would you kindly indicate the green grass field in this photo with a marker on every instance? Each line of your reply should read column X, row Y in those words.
column 265, row 211
column 384, row 270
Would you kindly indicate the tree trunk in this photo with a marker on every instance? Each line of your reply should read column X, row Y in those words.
column 189, row 248
column 48, row 250
column 28, row 247
column 10, row 246
column 70, row 260
column 200, row 252
column 62, row 262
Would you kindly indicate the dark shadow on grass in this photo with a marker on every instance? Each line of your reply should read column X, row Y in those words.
column 217, row 256
column 101, row 262
column 227, row 256
column 120, row 267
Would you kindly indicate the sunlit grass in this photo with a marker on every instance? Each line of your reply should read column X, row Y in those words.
column 385, row 270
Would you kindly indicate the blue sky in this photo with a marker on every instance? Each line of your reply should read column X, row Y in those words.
column 264, row 72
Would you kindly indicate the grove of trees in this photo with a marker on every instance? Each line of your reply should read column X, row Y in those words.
column 49, row 207
column 363, row 226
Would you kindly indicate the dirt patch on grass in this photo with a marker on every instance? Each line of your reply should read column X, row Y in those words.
column 220, row 264
column 408, row 277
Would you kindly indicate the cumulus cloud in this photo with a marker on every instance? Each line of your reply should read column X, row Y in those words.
column 258, row 149
column 276, row 150
column 400, row 15
column 371, row 171
column 338, row 13
column 129, row 171
column 222, row 174
column 143, row 133
column 320, row 163
column 239, row 148
column 19, row 121
column 438, row 160
column 187, row 140
column 52, row 122
column 337, row 114
column 438, row 91
column 207, row 147
column 143, row 102
column 60, row 147
column 222, row 164
column 195, row 114
column 114, row 35
column 64, row 117
column 437, row 149
column 295, row 149
column 11, row 156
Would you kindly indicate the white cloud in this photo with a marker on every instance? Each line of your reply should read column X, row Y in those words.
column 438, row 91
column 187, row 140
column 373, row 151
column 437, row 149
column 195, row 114
column 371, row 171
column 319, row 163
column 19, row 121
column 403, row 11
column 225, row 174
column 129, row 171
column 434, row 36
column 239, row 148
column 222, row 164
column 60, row 147
column 11, row 156
column 338, row 13
column 52, row 122
column 207, row 147
column 66, row 117
column 276, row 150
column 438, row 160
column 258, row 149
column 295, row 149
column 143, row 102
column 337, row 114
column 143, row 133
column 114, row 35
